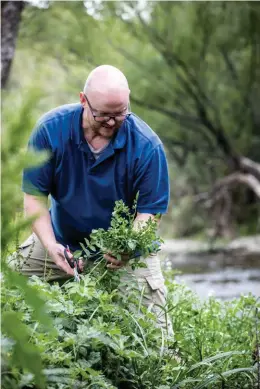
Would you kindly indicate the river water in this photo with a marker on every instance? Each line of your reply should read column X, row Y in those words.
column 216, row 274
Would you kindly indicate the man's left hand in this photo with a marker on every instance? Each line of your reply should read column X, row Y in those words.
column 115, row 264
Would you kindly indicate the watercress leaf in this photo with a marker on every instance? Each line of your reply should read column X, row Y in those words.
column 131, row 244
column 77, row 254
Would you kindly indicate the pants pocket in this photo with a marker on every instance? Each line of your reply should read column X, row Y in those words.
column 155, row 283
column 33, row 257
column 156, row 298
column 28, row 242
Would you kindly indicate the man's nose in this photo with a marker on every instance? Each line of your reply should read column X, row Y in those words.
column 111, row 122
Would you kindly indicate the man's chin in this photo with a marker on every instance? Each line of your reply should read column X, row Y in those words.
column 107, row 131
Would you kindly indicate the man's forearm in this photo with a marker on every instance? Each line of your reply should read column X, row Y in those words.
column 35, row 207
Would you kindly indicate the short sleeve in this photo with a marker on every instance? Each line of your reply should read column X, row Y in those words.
column 38, row 180
column 152, row 182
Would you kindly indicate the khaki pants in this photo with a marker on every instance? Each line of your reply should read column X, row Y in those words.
column 32, row 259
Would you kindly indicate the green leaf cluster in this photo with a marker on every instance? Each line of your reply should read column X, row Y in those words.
column 123, row 238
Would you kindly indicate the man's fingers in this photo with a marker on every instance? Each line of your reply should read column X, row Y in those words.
column 113, row 264
column 62, row 263
column 125, row 257
column 114, row 267
column 81, row 265
column 56, row 252
column 112, row 260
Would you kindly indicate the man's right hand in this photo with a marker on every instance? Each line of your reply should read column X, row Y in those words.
column 56, row 252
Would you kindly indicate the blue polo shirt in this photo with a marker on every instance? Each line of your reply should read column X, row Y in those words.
column 83, row 190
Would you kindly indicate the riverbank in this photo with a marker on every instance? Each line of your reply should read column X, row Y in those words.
column 224, row 271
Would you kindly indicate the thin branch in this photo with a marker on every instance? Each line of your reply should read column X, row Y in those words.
column 158, row 41
column 230, row 66
column 194, row 89
column 249, row 166
column 143, row 68
column 179, row 159
column 218, row 133
column 192, row 120
column 187, row 121
column 239, row 178
column 190, row 147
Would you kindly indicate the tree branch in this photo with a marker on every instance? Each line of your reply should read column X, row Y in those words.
column 141, row 66
column 249, row 166
column 188, row 119
column 238, row 178
column 230, row 66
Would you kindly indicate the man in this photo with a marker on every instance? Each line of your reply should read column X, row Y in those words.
column 100, row 153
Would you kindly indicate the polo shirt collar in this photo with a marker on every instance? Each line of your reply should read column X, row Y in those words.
column 120, row 138
column 76, row 124
column 76, row 129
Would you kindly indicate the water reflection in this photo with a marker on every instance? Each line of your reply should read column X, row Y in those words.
column 216, row 274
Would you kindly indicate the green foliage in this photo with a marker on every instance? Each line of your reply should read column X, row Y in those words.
column 24, row 355
column 122, row 238
column 14, row 158
column 105, row 339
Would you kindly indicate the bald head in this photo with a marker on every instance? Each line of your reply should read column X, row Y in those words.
column 107, row 89
column 104, row 79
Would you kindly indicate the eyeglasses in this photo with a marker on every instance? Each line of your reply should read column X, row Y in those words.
column 104, row 118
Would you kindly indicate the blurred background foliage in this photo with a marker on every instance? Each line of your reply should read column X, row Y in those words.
column 193, row 69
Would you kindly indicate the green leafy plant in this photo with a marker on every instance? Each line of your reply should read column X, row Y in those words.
column 17, row 122
column 122, row 239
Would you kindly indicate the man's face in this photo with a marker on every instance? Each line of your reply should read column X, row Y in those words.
column 104, row 113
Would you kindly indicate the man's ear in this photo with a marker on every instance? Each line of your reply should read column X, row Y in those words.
column 82, row 98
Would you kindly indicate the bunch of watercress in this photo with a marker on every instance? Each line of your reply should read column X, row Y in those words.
column 121, row 239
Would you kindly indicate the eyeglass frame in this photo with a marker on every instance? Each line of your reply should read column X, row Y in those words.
column 110, row 117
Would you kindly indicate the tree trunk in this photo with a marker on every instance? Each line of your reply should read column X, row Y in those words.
column 218, row 200
column 10, row 18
